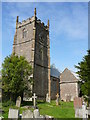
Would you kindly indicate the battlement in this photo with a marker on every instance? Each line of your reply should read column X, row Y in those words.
column 42, row 24
column 25, row 22
column 30, row 20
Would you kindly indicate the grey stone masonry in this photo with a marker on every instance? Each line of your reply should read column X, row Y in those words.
column 31, row 40
column 69, row 88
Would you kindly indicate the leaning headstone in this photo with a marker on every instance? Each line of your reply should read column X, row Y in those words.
column 27, row 114
column 34, row 99
column 18, row 101
column 57, row 100
column 13, row 113
column 77, row 102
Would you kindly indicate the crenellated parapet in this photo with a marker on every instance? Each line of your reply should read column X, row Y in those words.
column 25, row 22
column 42, row 24
column 29, row 21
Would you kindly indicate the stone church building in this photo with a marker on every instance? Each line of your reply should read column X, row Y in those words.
column 31, row 40
column 69, row 88
column 55, row 82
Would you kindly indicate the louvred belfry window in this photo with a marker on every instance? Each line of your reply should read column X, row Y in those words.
column 24, row 33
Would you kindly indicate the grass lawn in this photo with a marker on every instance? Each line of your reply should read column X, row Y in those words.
column 64, row 110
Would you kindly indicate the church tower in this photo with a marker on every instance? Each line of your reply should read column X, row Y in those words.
column 31, row 40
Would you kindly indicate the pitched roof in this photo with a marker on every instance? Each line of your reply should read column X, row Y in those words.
column 75, row 74
column 69, row 76
column 54, row 72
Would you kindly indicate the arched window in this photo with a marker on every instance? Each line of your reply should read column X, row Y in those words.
column 24, row 33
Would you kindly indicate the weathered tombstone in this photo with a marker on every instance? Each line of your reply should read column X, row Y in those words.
column 77, row 102
column 13, row 113
column 34, row 99
column 78, row 107
column 47, row 98
column 18, row 101
column 27, row 114
column 57, row 100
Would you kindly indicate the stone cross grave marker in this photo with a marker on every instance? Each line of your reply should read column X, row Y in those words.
column 57, row 100
column 77, row 102
column 34, row 99
column 13, row 113
column 18, row 101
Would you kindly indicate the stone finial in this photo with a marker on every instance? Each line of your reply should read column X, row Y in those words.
column 48, row 24
column 35, row 12
column 17, row 20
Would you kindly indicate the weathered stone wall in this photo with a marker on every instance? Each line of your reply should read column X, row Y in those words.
column 23, row 46
column 55, row 87
column 41, row 62
column 68, row 89
column 68, row 85
column 34, row 47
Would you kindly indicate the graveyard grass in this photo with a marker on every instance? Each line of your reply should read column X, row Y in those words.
column 64, row 110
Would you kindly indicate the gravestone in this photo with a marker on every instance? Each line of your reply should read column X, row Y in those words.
column 13, row 113
column 36, row 113
column 27, row 114
column 47, row 98
column 18, row 101
column 57, row 100
column 34, row 99
column 77, row 102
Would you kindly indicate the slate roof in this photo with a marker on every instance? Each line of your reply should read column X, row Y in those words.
column 54, row 72
column 75, row 74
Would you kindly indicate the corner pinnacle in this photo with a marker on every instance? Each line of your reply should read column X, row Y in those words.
column 48, row 24
column 17, row 20
column 35, row 12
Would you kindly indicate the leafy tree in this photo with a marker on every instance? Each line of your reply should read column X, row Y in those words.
column 84, row 74
column 16, row 73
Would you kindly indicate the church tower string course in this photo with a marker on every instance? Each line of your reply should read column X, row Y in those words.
column 31, row 40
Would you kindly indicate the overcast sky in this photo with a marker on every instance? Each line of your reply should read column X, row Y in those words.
column 68, row 29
